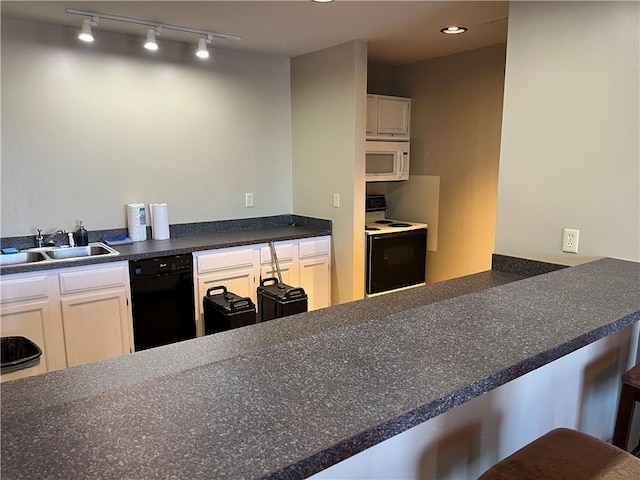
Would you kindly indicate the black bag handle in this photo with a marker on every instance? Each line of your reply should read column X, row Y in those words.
column 294, row 293
column 273, row 280
column 240, row 304
column 220, row 287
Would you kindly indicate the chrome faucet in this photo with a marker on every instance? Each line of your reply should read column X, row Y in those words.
column 49, row 240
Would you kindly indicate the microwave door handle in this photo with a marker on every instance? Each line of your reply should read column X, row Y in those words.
column 401, row 170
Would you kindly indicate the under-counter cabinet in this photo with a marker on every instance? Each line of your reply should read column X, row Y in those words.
column 236, row 268
column 95, row 314
column 303, row 263
column 286, row 256
column 75, row 315
column 315, row 270
column 26, row 311
column 388, row 117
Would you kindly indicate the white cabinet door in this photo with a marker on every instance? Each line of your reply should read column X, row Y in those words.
column 289, row 272
column 393, row 116
column 315, row 270
column 316, row 281
column 26, row 320
column 287, row 253
column 388, row 117
column 95, row 326
column 241, row 282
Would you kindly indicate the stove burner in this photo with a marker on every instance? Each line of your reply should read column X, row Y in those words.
column 369, row 229
column 398, row 224
column 383, row 222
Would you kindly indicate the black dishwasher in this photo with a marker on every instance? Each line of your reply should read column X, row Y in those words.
column 162, row 300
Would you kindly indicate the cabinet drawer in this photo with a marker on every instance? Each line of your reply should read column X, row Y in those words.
column 284, row 252
column 20, row 289
column 314, row 248
column 86, row 280
column 224, row 260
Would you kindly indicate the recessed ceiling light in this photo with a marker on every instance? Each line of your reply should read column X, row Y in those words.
column 322, row 1
column 453, row 30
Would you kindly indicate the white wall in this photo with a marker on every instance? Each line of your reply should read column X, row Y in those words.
column 328, row 91
column 456, row 114
column 87, row 129
column 570, row 138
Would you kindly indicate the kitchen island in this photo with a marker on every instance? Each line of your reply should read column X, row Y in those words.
column 291, row 397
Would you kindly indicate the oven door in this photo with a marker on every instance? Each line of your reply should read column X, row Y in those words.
column 396, row 260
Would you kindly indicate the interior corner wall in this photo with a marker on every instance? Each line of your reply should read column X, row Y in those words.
column 328, row 104
column 571, row 135
column 456, row 113
column 88, row 128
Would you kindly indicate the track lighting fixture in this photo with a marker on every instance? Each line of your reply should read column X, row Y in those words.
column 85, row 33
column 202, row 48
column 151, row 44
column 152, row 32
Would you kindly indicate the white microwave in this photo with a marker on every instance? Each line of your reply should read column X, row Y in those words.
column 386, row 161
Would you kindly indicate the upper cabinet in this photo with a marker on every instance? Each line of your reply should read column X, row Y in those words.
column 388, row 118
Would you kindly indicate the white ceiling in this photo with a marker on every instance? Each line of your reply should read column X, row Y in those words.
column 398, row 32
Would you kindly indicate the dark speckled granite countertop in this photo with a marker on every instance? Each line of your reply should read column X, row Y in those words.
column 195, row 237
column 287, row 398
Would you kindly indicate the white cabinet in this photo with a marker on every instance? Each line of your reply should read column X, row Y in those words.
column 26, row 311
column 287, row 260
column 388, row 117
column 236, row 268
column 315, row 271
column 27, row 320
column 96, row 318
column 75, row 315
column 303, row 263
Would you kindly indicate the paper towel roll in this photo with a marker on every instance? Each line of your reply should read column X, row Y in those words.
column 159, row 221
column 137, row 222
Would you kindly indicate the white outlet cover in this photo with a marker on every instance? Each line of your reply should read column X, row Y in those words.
column 570, row 239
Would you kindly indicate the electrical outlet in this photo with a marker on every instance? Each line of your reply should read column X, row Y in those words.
column 336, row 200
column 248, row 199
column 570, row 240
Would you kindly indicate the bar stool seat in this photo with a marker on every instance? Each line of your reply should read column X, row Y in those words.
column 629, row 395
column 566, row 454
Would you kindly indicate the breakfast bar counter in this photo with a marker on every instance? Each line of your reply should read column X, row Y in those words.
column 293, row 396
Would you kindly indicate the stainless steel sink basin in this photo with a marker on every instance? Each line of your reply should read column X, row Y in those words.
column 54, row 254
column 91, row 250
column 21, row 258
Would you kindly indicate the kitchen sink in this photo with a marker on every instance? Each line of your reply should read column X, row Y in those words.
column 21, row 258
column 91, row 250
column 54, row 254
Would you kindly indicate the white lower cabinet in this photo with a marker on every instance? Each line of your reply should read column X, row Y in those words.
column 236, row 268
column 315, row 279
column 287, row 261
column 303, row 263
column 315, row 270
column 96, row 319
column 27, row 320
column 75, row 315
column 95, row 326
column 27, row 310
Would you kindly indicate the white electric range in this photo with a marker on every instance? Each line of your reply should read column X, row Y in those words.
column 396, row 250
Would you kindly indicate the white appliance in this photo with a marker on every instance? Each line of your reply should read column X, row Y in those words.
column 396, row 250
column 386, row 161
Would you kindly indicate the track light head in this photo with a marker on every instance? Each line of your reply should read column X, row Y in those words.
column 202, row 49
column 151, row 40
column 85, row 33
